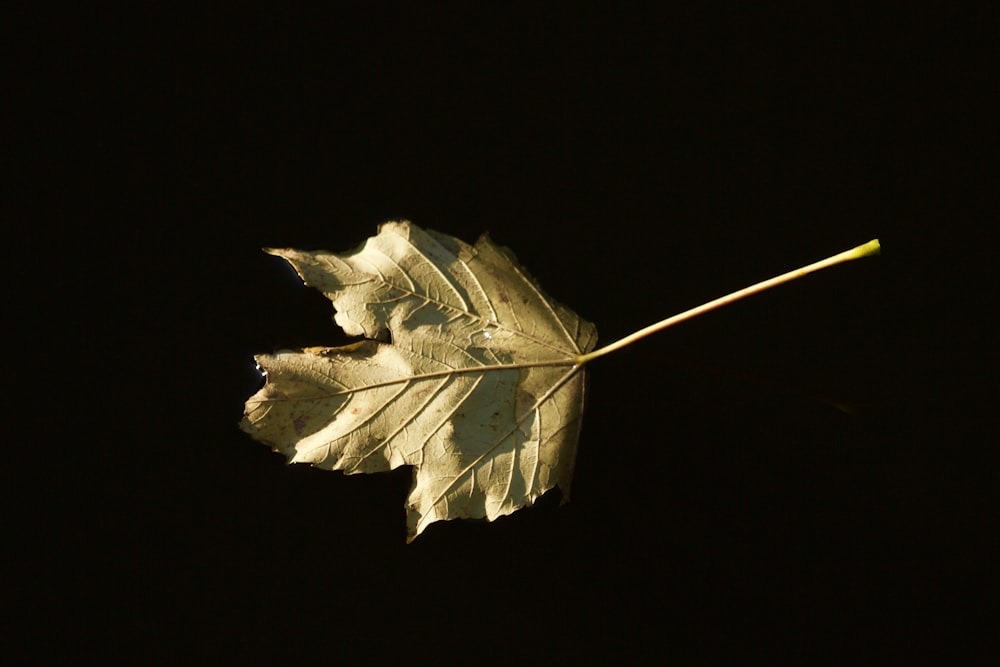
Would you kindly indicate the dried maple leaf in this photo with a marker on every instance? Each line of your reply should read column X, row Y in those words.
column 480, row 389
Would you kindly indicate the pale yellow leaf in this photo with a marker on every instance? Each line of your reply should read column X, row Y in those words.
column 479, row 387
column 467, row 372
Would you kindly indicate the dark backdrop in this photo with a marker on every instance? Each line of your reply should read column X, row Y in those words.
column 640, row 160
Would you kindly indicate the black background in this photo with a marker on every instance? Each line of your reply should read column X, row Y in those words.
column 640, row 161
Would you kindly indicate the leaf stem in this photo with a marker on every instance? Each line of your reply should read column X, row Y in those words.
column 865, row 250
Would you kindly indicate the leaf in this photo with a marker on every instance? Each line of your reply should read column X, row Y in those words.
column 467, row 372
column 480, row 389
